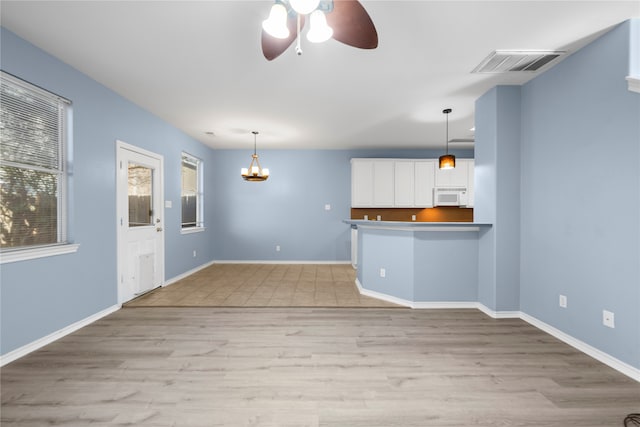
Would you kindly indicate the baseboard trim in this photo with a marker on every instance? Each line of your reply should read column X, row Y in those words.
column 187, row 273
column 54, row 336
column 429, row 305
column 419, row 305
column 256, row 261
column 498, row 314
column 381, row 296
column 618, row 365
column 633, row 83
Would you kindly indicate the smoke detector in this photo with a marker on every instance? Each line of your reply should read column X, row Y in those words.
column 508, row 61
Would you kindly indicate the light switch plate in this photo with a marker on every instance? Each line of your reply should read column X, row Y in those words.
column 608, row 319
column 562, row 301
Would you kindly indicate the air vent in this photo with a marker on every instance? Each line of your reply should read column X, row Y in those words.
column 462, row 141
column 508, row 61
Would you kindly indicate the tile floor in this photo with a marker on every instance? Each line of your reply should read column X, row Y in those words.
column 263, row 285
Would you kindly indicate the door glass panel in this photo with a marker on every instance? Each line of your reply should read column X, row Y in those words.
column 140, row 191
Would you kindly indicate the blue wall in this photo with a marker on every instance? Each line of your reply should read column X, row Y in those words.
column 44, row 295
column 581, row 196
column 288, row 209
column 498, row 173
column 422, row 266
column 395, row 252
column 438, row 274
column 485, row 188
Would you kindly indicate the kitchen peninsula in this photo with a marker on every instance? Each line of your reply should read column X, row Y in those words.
column 418, row 264
column 414, row 240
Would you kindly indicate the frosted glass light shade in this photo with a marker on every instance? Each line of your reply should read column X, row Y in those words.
column 265, row 172
column 244, row 171
column 319, row 31
column 276, row 24
column 448, row 161
column 304, row 7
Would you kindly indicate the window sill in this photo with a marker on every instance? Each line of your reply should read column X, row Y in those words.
column 192, row 230
column 39, row 252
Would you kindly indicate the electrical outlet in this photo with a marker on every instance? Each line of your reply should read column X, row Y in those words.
column 383, row 272
column 608, row 319
column 194, row 253
column 413, row 217
column 379, row 218
column 366, row 217
column 562, row 301
column 277, row 248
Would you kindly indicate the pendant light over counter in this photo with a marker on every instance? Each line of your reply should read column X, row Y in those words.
column 254, row 172
column 447, row 161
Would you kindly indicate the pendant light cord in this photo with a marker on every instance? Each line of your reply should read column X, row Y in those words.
column 298, row 47
column 447, row 140
column 446, row 112
column 255, row 135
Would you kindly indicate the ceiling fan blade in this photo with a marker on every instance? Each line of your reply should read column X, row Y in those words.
column 273, row 47
column 352, row 25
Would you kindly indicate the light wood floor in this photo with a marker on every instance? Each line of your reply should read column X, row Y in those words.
column 263, row 285
column 311, row 367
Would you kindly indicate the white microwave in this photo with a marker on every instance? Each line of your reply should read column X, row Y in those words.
column 450, row 196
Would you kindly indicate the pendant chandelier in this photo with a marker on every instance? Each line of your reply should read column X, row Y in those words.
column 447, row 161
column 254, row 172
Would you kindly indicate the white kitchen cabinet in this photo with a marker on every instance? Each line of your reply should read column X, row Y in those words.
column 404, row 183
column 383, row 183
column 424, row 181
column 372, row 183
column 361, row 183
column 456, row 177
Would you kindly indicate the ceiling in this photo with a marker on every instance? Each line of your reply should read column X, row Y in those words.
column 199, row 66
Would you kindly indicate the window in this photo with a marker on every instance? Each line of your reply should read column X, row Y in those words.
column 192, row 205
column 33, row 140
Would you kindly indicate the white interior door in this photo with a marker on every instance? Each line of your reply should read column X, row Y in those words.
column 140, row 221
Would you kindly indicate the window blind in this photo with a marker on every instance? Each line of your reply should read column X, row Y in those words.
column 32, row 176
column 191, row 191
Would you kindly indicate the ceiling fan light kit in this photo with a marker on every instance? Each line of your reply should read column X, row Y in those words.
column 319, row 31
column 276, row 24
column 345, row 21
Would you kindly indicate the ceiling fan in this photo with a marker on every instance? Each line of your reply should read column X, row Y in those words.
column 343, row 20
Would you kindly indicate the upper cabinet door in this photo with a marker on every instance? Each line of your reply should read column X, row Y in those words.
column 361, row 183
column 383, row 183
column 372, row 183
column 424, row 182
column 404, row 184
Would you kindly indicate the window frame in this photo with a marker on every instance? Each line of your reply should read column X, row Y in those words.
column 199, row 164
column 63, row 244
